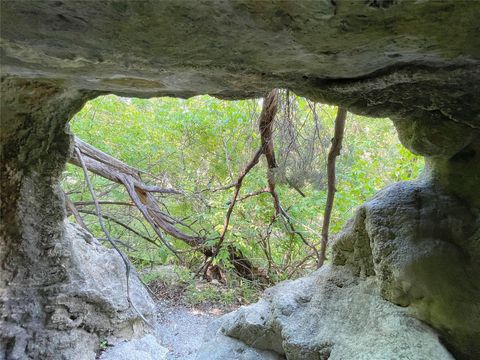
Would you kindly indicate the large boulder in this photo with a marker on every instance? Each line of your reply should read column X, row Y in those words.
column 331, row 314
column 89, row 306
column 406, row 260
column 422, row 245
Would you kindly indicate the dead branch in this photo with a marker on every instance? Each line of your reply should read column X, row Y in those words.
column 122, row 224
column 156, row 189
column 238, row 185
column 142, row 197
column 252, row 194
column 114, row 170
column 107, row 234
column 266, row 132
column 118, row 241
column 154, row 217
column 269, row 110
column 332, row 156
column 102, row 202
column 267, row 115
column 73, row 209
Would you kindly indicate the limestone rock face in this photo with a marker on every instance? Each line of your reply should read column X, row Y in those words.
column 332, row 314
column 217, row 346
column 423, row 246
column 146, row 348
column 452, row 154
column 411, row 59
column 88, row 306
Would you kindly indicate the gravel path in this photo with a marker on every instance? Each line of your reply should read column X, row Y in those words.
column 181, row 329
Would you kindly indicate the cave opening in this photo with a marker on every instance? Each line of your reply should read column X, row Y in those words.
column 196, row 147
column 403, row 277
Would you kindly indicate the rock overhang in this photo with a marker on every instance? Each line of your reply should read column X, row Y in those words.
column 417, row 62
column 380, row 58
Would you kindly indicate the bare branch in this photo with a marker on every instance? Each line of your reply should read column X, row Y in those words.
column 102, row 202
column 255, row 193
column 71, row 206
column 267, row 115
column 118, row 222
column 156, row 189
column 332, row 156
column 107, row 234
column 113, row 169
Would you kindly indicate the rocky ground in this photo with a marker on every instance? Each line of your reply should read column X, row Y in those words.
column 180, row 329
column 180, row 325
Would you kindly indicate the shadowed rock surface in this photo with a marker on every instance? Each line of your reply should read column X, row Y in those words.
column 146, row 348
column 416, row 62
column 87, row 307
column 402, row 58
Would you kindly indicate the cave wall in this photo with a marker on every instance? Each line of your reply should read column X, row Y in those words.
column 416, row 62
column 62, row 293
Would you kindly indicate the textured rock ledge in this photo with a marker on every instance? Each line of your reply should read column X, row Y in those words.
column 410, row 59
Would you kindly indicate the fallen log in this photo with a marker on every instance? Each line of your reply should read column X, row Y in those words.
column 117, row 171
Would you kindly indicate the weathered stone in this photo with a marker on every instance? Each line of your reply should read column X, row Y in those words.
column 86, row 307
column 146, row 348
column 218, row 346
column 413, row 244
column 413, row 60
column 332, row 314
column 423, row 246
column 452, row 153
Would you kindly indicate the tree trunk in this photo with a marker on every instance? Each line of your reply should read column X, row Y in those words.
column 331, row 189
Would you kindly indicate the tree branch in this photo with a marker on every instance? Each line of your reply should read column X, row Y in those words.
column 107, row 234
column 114, row 170
column 71, row 206
column 332, row 156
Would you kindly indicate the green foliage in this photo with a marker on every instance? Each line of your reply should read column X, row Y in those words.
column 203, row 143
column 168, row 275
column 103, row 345
column 199, row 293
column 209, row 293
